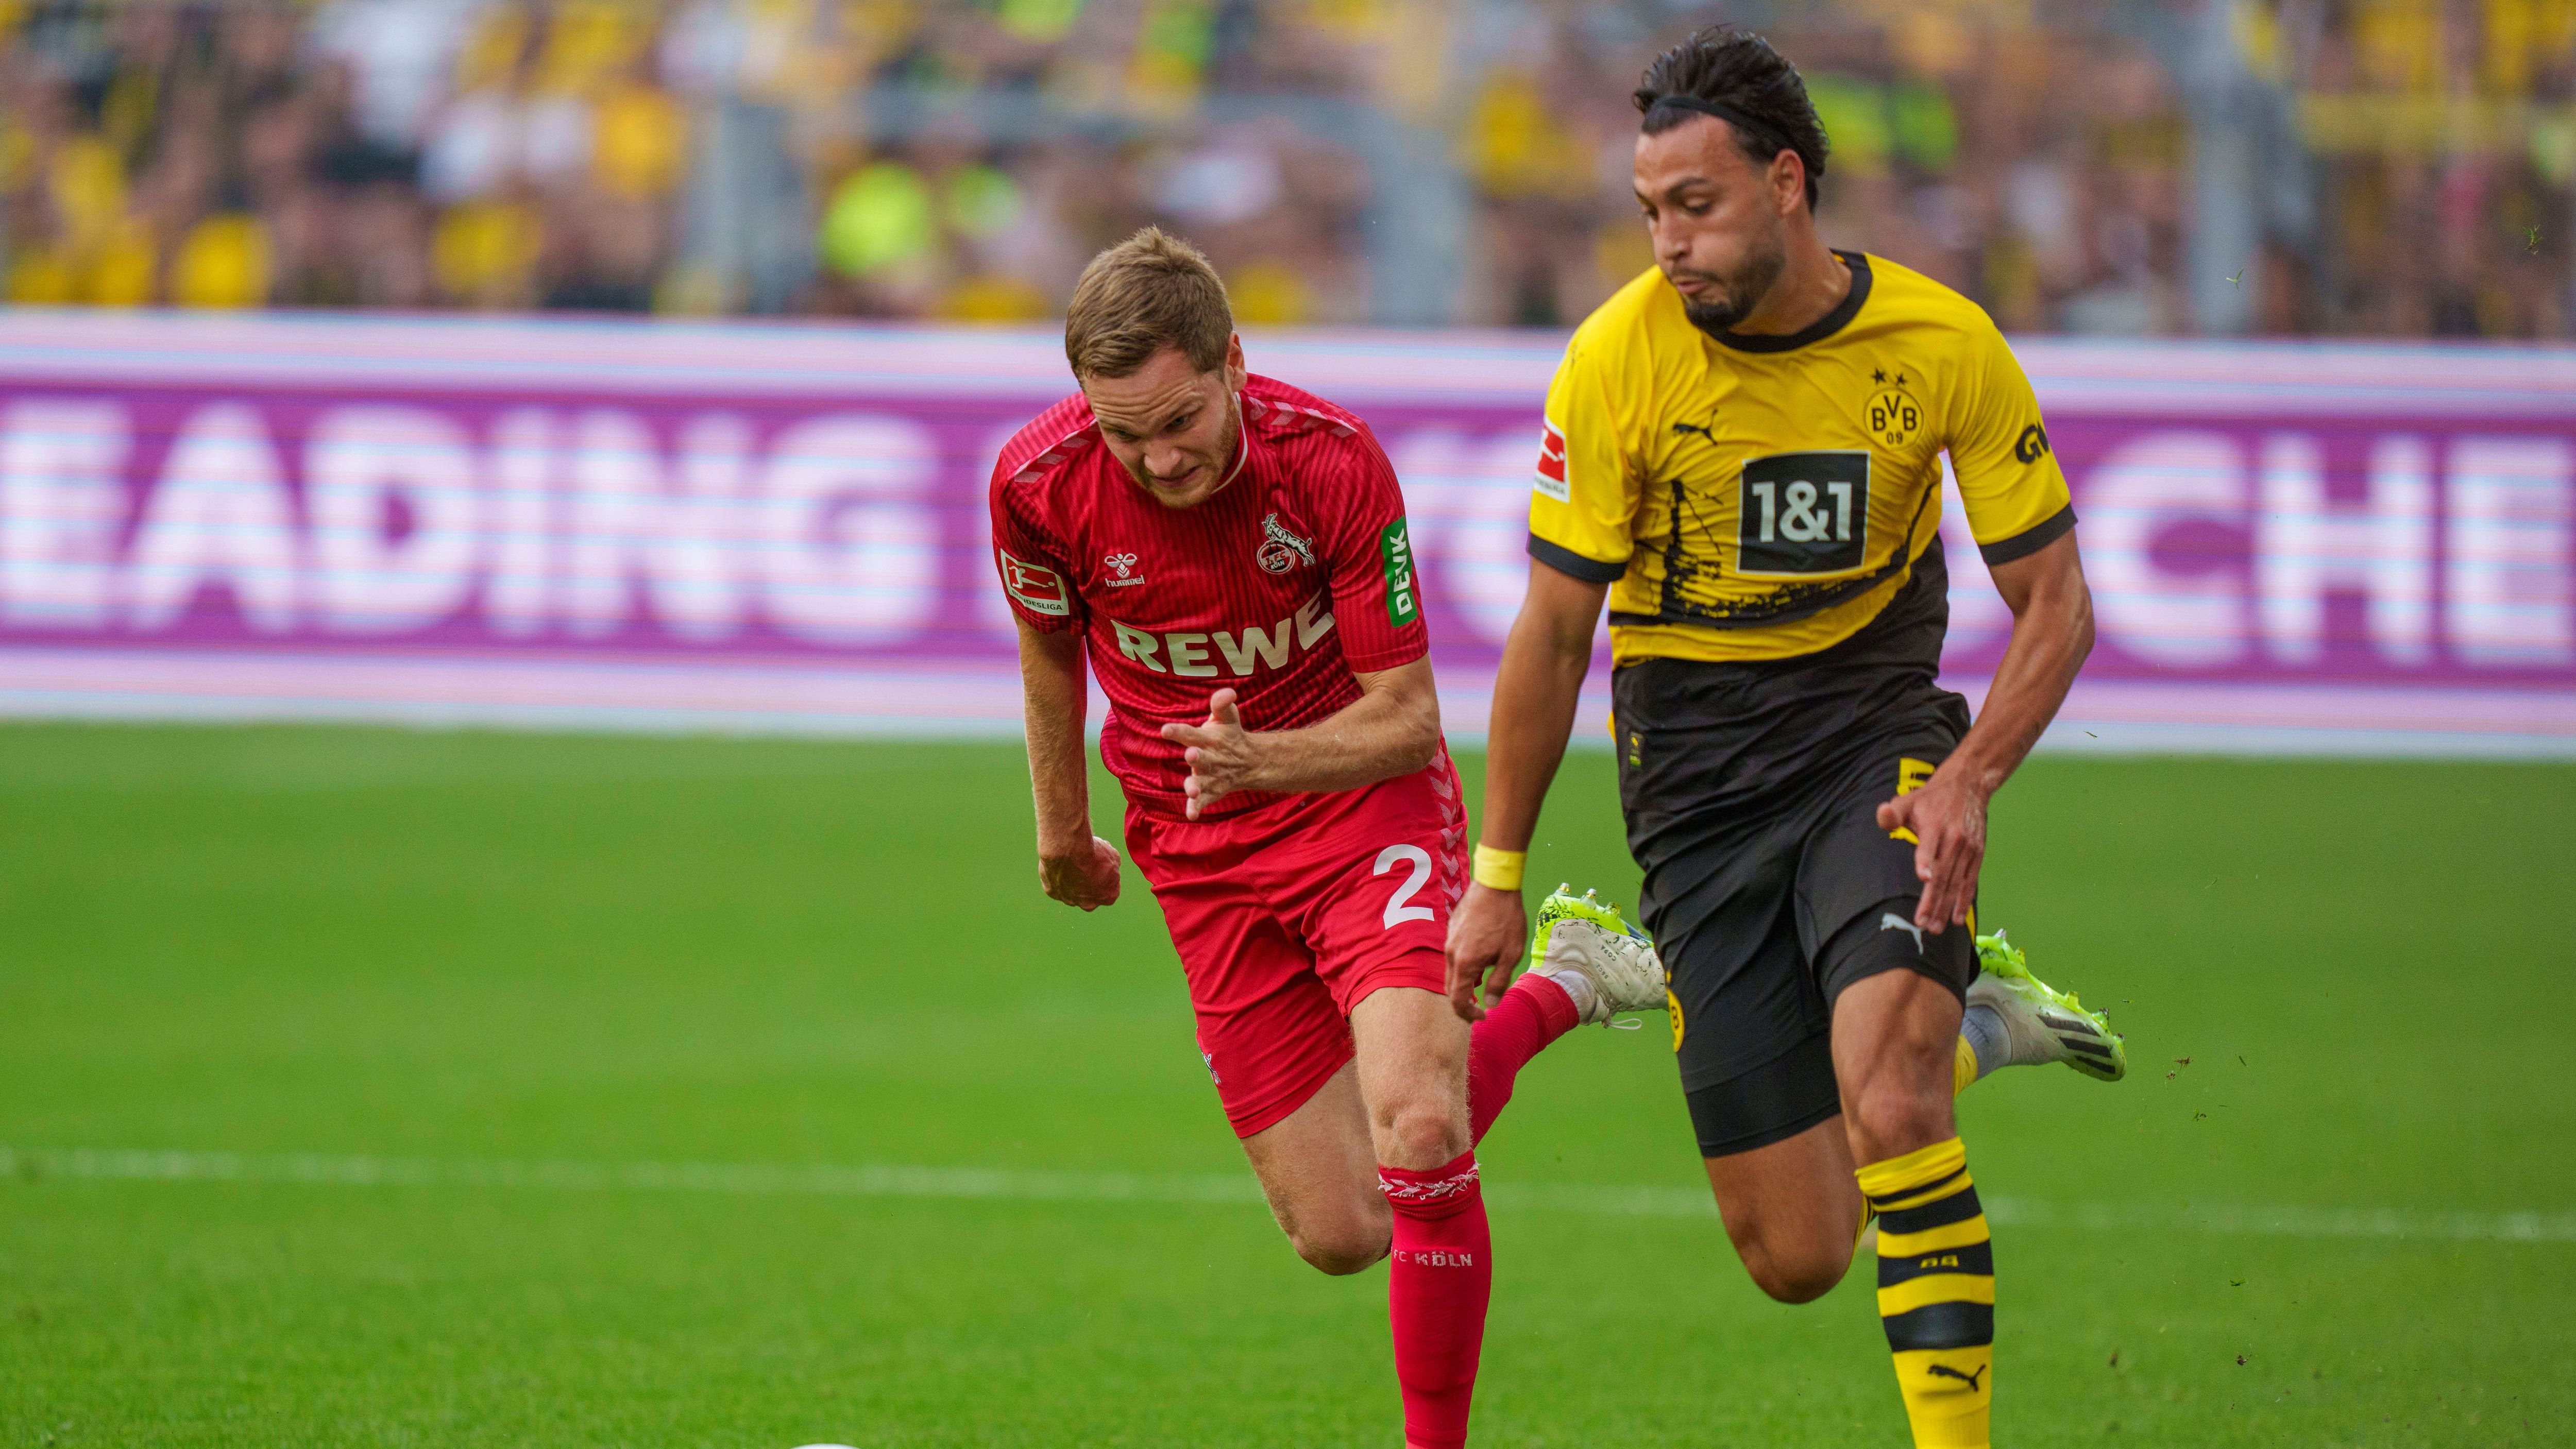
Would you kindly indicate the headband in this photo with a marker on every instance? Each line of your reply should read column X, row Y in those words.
column 1760, row 130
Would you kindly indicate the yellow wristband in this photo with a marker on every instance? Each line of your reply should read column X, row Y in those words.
column 1500, row 869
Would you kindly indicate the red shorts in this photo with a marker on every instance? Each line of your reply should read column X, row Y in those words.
column 1287, row 915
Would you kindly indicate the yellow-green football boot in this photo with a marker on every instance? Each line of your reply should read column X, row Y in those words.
column 2042, row 1023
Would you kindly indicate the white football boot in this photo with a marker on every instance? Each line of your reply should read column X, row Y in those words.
column 1586, row 935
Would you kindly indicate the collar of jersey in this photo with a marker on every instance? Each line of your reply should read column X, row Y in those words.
column 1816, row 331
column 1242, row 447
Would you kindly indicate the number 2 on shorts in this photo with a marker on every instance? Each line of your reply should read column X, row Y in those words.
column 1397, row 912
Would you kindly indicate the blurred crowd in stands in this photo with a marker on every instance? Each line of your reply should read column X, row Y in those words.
column 2386, row 167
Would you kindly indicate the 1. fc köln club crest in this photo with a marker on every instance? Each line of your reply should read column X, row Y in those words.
column 1281, row 550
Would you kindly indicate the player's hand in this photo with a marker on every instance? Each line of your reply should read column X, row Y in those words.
column 1486, row 930
column 1222, row 756
column 1948, row 818
column 1085, row 877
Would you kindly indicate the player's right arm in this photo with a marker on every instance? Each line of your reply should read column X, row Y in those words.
column 1074, row 865
column 1580, row 513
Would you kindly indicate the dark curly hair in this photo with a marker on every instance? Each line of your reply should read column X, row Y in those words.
column 1736, row 76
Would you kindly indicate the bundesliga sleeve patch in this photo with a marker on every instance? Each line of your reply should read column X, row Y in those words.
column 1397, row 551
column 1038, row 590
column 1550, row 481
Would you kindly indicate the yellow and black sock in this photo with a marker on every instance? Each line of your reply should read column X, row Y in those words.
column 1936, row 1291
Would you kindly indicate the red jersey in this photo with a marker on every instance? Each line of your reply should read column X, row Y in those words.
column 1293, row 575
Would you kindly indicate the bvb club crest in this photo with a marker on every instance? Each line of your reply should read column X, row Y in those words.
column 1892, row 417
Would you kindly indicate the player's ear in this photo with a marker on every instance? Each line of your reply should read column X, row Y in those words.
column 1788, row 180
column 1235, row 371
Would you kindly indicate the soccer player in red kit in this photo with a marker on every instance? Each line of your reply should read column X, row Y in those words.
column 1229, row 554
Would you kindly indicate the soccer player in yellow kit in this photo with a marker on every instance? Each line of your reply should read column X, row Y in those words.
column 1743, row 453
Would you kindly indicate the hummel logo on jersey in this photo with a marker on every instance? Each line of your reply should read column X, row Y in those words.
column 1281, row 550
column 1121, row 563
column 1038, row 590
column 1944, row 1371
column 1186, row 654
column 1891, row 921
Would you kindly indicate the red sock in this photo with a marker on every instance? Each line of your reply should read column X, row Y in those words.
column 1533, row 1013
column 1439, row 1277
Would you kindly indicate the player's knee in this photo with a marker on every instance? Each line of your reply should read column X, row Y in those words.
column 1791, row 1267
column 1420, row 1135
column 1344, row 1249
column 1890, row 1120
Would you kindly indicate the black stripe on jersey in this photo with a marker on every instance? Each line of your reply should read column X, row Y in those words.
column 1566, row 561
column 1974, row 1258
column 1958, row 1207
column 2030, row 540
column 1942, row 1325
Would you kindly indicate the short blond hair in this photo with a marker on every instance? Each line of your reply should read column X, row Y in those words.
column 1149, row 292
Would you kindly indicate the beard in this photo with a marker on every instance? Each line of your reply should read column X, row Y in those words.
column 1739, row 293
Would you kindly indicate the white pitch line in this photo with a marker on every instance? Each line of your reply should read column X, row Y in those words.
column 35, row 1164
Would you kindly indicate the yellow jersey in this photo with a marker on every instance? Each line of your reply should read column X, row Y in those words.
column 1762, row 497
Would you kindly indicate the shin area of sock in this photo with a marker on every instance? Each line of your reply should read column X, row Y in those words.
column 1440, row 1276
column 1535, row 1012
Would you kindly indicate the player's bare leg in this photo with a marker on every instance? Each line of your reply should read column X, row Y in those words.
column 1793, row 1208
column 1896, row 1039
column 1319, row 1170
column 1402, row 1103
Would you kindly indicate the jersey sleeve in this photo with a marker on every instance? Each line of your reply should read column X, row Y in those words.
column 1583, row 502
column 2009, row 482
column 1034, row 576
column 1377, row 592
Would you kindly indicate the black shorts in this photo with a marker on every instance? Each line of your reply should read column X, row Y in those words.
column 1751, row 799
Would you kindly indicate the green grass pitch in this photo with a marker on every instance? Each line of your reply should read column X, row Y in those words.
column 477, row 954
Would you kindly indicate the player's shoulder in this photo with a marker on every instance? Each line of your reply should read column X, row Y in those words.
column 1901, row 297
column 1274, row 409
column 1634, row 321
column 1045, row 450
column 1633, row 340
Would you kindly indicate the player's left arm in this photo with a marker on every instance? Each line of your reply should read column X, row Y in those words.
column 1392, row 729
column 2052, row 632
column 2017, row 505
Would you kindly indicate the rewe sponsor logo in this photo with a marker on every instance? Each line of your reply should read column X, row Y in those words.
column 1197, row 655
